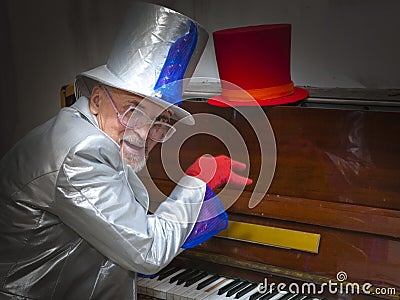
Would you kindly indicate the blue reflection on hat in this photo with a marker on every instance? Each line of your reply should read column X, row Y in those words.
column 169, row 84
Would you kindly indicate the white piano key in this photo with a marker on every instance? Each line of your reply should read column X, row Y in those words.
column 146, row 285
column 252, row 289
column 294, row 297
column 173, row 292
column 193, row 289
column 278, row 296
column 215, row 296
column 141, row 284
column 245, row 296
column 155, row 282
column 195, row 292
column 213, row 293
column 160, row 291
column 184, row 292
column 181, row 294
column 208, row 290
column 180, row 290
column 224, row 295
column 240, row 286
column 248, row 294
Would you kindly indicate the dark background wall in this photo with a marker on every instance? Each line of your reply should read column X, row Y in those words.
column 45, row 43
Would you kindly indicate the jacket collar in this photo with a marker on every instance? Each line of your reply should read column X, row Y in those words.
column 139, row 190
column 82, row 105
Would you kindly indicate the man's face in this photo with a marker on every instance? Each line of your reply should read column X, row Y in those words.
column 135, row 143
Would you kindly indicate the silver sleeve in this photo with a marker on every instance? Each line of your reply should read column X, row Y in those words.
column 94, row 198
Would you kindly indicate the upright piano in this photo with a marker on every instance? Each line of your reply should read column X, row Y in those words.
column 336, row 179
column 329, row 219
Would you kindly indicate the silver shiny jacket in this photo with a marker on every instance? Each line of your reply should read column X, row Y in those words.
column 74, row 223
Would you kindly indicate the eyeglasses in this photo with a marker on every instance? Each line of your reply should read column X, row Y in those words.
column 134, row 118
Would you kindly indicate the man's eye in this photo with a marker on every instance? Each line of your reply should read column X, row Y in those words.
column 130, row 109
column 162, row 119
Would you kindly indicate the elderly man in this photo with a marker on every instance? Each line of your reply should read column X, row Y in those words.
column 73, row 213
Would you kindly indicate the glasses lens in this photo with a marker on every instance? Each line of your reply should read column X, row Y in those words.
column 134, row 118
column 161, row 132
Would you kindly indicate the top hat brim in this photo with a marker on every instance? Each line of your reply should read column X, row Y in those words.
column 86, row 81
column 222, row 101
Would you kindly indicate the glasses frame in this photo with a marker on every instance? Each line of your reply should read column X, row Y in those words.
column 151, row 122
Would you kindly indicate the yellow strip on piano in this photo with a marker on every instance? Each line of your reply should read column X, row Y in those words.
column 272, row 236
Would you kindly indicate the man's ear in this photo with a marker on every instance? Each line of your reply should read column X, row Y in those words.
column 94, row 102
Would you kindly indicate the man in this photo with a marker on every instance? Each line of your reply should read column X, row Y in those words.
column 73, row 213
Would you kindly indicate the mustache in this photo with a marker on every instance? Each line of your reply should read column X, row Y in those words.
column 133, row 139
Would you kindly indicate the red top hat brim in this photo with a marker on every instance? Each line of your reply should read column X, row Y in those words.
column 299, row 94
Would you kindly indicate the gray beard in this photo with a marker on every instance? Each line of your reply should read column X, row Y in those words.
column 137, row 162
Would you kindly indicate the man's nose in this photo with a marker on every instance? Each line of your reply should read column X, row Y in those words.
column 143, row 131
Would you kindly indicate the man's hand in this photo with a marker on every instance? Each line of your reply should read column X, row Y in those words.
column 217, row 171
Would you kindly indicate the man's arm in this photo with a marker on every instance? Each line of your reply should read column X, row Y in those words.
column 94, row 198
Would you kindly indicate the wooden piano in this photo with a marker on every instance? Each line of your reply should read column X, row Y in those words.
column 337, row 175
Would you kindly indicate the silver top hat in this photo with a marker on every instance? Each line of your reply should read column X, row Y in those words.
column 156, row 49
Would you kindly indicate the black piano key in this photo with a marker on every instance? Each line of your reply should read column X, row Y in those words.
column 246, row 290
column 255, row 296
column 196, row 279
column 229, row 286
column 166, row 269
column 267, row 291
column 180, row 275
column 188, row 276
column 206, row 282
column 167, row 272
column 237, row 288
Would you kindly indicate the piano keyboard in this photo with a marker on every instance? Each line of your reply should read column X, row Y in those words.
column 174, row 283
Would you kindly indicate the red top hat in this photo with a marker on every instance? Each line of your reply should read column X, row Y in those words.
column 254, row 66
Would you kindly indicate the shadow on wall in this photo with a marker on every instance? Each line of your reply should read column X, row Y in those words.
column 8, row 86
column 45, row 50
